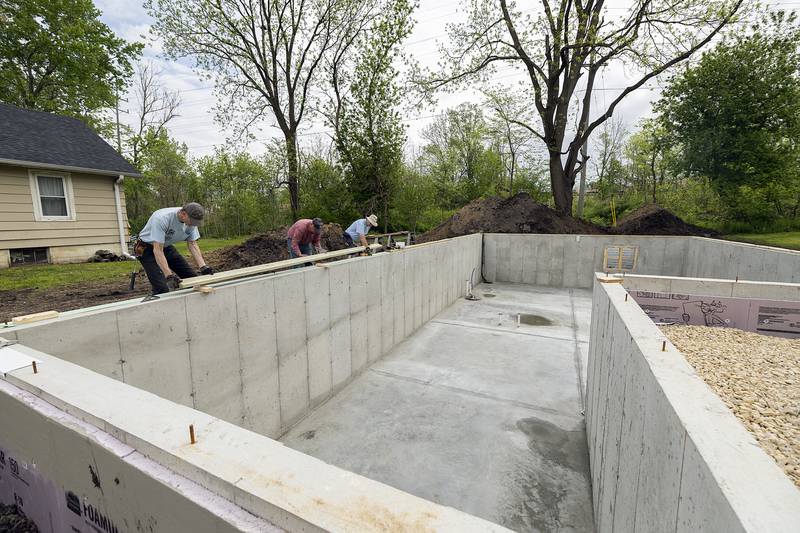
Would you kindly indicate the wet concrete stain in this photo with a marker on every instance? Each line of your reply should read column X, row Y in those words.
column 545, row 497
column 535, row 320
column 489, row 295
column 564, row 447
column 308, row 435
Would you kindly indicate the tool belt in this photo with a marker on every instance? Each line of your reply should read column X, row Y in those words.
column 140, row 247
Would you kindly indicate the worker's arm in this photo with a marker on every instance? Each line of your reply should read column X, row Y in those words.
column 317, row 243
column 363, row 239
column 161, row 260
column 194, row 249
column 296, row 249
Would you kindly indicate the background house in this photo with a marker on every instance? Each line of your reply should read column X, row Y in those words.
column 61, row 196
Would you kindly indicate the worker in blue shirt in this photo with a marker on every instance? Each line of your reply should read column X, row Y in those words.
column 164, row 265
column 357, row 231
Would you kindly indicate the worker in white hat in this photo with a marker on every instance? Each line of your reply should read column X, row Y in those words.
column 357, row 231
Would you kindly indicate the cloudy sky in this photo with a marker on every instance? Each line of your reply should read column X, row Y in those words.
column 196, row 126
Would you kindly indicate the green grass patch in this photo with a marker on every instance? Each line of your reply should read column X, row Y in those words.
column 788, row 239
column 49, row 276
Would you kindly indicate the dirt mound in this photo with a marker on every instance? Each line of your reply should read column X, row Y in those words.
column 654, row 220
column 518, row 214
column 268, row 247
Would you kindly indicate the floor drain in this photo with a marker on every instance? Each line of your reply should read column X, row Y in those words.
column 534, row 320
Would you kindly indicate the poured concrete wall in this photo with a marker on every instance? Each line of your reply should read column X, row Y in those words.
column 262, row 352
column 712, row 258
column 127, row 452
column 116, row 488
column 665, row 453
column 571, row 260
column 762, row 290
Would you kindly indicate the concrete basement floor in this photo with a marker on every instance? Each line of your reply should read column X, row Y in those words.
column 474, row 412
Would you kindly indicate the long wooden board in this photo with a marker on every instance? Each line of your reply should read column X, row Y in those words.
column 272, row 267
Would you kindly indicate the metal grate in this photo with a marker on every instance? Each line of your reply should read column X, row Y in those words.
column 619, row 258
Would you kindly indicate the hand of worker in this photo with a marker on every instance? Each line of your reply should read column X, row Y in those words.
column 173, row 282
column 206, row 270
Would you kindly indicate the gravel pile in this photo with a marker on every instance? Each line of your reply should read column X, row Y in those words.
column 758, row 378
column 13, row 521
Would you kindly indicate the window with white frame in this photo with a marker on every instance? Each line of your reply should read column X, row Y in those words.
column 52, row 196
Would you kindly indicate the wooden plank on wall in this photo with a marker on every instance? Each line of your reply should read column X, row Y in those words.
column 272, row 267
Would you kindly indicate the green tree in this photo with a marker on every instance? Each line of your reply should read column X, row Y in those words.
column 651, row 159
column 561, row 43
column 241, row 192
column 266, row 57
column 459, row 157
column 169, row 178
column 368, row 132
column 736, row 117
column 57, row 56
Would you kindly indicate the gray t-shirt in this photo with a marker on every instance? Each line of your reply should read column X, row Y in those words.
column 164, row 227
column 360, row 226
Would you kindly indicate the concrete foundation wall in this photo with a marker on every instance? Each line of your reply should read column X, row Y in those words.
column 128, row 453
column 713, row 258
column 665, row 452
column 261, row 353
column 571, row 260
column 762, row 290
column 115, row 487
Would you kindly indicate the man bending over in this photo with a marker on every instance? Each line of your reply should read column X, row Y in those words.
column 164, row 265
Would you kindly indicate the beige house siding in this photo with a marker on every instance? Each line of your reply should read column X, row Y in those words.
column 95, row 216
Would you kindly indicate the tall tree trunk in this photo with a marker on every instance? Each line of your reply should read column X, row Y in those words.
column 561, row 184
column 293, row 173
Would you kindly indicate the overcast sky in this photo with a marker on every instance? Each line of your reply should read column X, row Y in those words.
column 196, row 126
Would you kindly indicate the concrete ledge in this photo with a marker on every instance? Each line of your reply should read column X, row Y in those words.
column 260, row 475
column 764, row 290
column 665, row 452
column 115, row 485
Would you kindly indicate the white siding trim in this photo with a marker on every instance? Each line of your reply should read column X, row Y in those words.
column 37, row 203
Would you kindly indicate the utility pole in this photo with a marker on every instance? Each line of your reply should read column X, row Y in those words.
column 582, row 187
column 119, row 136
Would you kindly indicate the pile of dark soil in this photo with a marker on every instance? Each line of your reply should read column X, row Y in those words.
column 654, row 220
column 518, row 214
column 268, row 247
column 13, row 521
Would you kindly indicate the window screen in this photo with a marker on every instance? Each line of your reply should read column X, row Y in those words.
column 52, row 196
column 620, row 258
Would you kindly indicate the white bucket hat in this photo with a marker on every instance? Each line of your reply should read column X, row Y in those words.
column 373, row 220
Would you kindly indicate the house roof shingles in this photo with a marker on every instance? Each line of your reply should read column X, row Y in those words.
column 48, row 139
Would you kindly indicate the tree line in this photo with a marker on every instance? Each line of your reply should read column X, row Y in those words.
column 721, row 147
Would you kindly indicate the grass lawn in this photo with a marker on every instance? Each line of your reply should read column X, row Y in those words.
column 47, row 276
column 788, row 239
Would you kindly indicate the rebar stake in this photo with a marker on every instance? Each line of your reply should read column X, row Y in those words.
column 191, row 434
column 626, row 296
column 35, row 370
column 663, row 346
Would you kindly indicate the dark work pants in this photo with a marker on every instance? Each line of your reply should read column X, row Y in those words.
column 305, row 249
column 349, row 240
column 176, row 262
